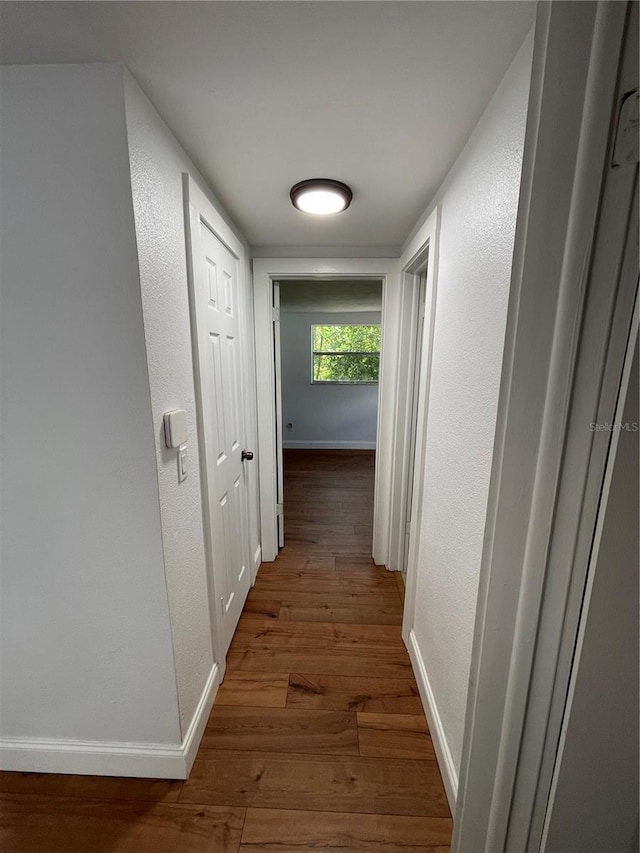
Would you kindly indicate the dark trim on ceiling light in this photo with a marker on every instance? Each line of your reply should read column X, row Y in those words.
column 321, row 184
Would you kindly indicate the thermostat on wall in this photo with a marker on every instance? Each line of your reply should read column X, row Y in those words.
column 175, row 428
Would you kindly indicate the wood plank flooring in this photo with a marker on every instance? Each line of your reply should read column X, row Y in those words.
column 317, row 740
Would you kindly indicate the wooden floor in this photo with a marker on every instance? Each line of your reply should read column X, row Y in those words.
column 317, row 740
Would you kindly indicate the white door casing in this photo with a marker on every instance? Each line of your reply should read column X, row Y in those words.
column 215, row 269
column 413, row 358
column 421, row 287
column 265, row 272
column 279, row 424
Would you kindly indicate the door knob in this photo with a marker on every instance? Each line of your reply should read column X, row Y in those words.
column 247, row 454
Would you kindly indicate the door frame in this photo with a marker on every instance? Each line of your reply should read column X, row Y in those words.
column 566, row 337
column 265, row 272
column 198, row 209
column 593, row 588
column 423, row 248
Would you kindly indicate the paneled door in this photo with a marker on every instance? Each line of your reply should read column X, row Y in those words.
column 216, row 303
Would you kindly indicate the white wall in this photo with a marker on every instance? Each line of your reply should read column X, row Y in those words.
column 478, row 215
column 85, row 644
column 595, row 804
column 339, row 416
column 157, row 165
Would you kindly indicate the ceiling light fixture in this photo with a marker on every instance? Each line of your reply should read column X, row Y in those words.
column 321, row 196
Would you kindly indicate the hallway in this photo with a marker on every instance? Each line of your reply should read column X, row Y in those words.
column 318, row 728
column 317, row 739
column 231, row 228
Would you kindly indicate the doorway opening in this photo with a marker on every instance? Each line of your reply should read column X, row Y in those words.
column 327, row 343
column 396, row 404
column 268, row 272
column 416, row 373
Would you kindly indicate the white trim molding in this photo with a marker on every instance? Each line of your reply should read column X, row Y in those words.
column 257, row 560
column 329, row 445
column 191, row 741
column 572, row 292
column 436, row 729
column 146, row 760
column 95, row 758
column 265, row 272
column 325, row 251
column 423, row 249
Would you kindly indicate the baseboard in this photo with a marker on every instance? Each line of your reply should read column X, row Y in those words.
column 400, row 584
column 440, row 745
column 92, row 758
column 329, row 445
column 96, row 758
column 257, row 559
column 191, row 740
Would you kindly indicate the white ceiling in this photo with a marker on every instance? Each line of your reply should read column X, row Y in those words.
column 381, row 95
column 304, row 296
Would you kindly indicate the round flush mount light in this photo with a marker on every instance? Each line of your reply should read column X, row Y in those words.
column 321, row 196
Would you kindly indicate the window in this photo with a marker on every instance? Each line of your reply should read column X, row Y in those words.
column 345, row 354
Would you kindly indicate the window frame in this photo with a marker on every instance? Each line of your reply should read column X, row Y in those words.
column 315, row 352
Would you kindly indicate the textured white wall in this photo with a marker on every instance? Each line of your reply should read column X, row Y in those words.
column 85, row 644
column 335, row 415
column 478, row 208
column 157, row 165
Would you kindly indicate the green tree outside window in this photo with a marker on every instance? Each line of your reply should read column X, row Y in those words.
column 348, row 354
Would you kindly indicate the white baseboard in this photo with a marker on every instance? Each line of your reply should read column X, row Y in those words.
column 92, row 758
column 191, row 740
column 257, row 559
column 329, row 445
column 440, row 745
column 96, row 758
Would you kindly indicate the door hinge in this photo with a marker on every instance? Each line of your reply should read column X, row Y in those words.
column 275, row 314
column 279, row 509
column 222, row 605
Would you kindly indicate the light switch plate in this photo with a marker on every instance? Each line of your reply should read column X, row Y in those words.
column 182, row 463
column 175, row 428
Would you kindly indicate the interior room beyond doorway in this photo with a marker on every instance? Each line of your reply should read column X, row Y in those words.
column 330, row 345
column 330, row 338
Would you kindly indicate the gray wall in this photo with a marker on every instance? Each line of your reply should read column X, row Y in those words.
column 86, row 641
column 338, row 416
column 595, row 806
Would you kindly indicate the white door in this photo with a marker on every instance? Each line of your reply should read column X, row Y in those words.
column 216, row 300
